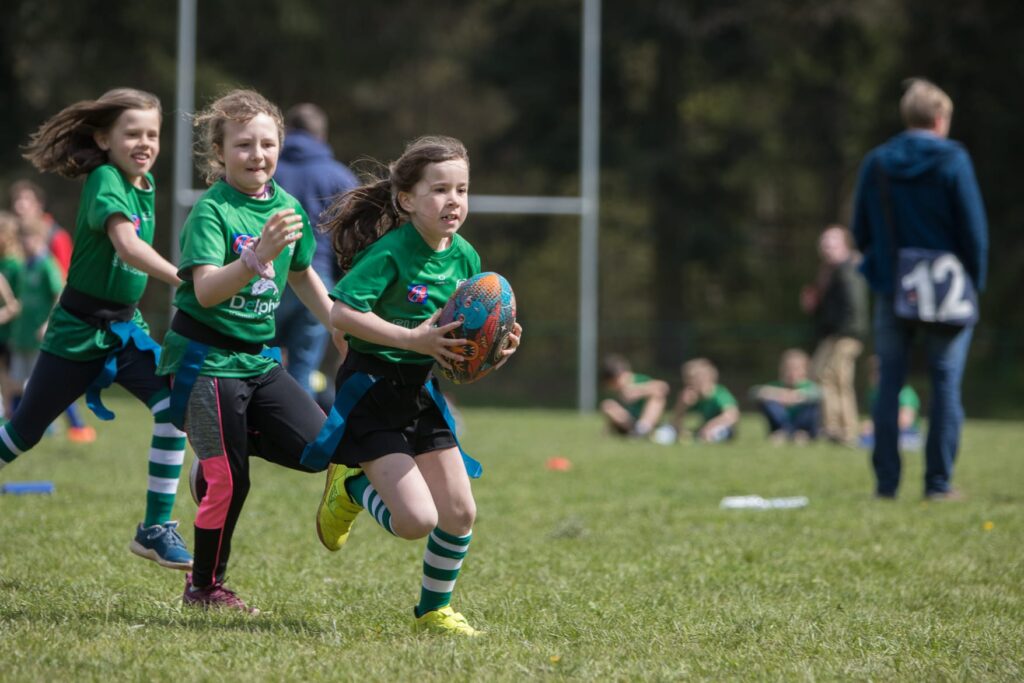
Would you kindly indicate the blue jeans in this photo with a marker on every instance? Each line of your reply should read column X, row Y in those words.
column 301, row 336
column 804, row 418
column 946, row 349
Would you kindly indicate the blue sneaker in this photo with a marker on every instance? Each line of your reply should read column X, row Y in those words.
column 162, row 544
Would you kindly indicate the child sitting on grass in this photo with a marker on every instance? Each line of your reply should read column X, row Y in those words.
column 635, row 402
column 909, row 419
column 790, row 404
column 702, row 394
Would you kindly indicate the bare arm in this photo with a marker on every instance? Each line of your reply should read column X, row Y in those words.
column 424, row 339
column 137, row 253
column 906, row 418
column 687, row 397
column 636, row 392
column 787, row 397
column 312, row 293
column 727, row 418
column 11, row 306
column 215, row 284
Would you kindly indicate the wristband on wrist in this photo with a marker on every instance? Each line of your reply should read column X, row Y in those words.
column 252, row 262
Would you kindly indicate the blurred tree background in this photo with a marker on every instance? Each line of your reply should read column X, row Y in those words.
column 731, row 134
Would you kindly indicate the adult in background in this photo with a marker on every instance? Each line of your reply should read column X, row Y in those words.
column 308, row 171
column 919, row 187
column 838, row 300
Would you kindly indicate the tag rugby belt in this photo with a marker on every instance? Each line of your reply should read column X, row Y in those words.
column 114, row 317
column 317, row 455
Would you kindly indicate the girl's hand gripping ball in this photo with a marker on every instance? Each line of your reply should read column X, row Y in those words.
column 486, row 307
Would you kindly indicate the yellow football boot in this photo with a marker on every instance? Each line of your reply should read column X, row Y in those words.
column 336, row 513
column 445, row 621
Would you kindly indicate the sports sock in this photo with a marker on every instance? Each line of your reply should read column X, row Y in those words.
column 362, row 492
column 166, row 454
column 442, row 561
column 74, row 417
column 11, row 445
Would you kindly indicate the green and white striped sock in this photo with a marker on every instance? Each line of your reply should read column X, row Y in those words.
column 362, row 492
column 166, row 454
column 442, row 561
column 11, row 445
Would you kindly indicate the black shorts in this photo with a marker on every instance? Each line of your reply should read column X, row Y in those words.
column 396, row 415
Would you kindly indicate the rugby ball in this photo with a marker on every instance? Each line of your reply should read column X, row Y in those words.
column 486, row 307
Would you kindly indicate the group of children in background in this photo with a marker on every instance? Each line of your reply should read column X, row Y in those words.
column 35, row 254
column 637, row 405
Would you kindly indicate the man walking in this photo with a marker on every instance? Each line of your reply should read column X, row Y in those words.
column 919, row 190
column 308, row 171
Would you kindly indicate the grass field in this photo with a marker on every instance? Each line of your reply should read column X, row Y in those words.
column 623, row 568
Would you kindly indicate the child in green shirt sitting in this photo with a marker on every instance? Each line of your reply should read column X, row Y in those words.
column 635, row 402
column 702, row 394
column 909, row 418
column 791, row 404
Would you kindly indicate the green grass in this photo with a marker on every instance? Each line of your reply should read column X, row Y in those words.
column 623, row 568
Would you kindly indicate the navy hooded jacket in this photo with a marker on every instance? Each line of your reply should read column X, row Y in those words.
column 308, row 171
column 935, row 204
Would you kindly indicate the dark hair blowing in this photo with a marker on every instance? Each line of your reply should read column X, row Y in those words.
column 65, row 144
column 240, row 106
column 361, row 216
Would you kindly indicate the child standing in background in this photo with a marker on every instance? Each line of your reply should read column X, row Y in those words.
column 636, row 402
column 395, row 452
column 243, row 242
column 28, row 202
column 39, row 284
column 702, row 394
column 10, row 268
column 95, row 334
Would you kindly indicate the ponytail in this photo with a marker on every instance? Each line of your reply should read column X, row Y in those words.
column 360, row 217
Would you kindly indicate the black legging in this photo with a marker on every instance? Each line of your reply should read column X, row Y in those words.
column 56, row 382
column 228, row 420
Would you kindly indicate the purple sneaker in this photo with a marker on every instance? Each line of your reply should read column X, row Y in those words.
column 213, row 596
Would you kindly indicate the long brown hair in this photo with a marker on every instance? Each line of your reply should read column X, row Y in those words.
column 238, row 105
column 65, row 143
column 361, row 216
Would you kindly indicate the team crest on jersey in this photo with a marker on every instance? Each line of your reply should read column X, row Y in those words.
column 262, row 286
column 136, row 223
column 240, row 240
column 417, row 293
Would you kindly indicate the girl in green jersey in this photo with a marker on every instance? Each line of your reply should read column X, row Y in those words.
column 95, row 334
column 244, row 241
column 396, row 453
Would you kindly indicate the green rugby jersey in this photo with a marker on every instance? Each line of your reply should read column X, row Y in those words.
column 40, row 284
column 10, row 268
column 219, row 225
column 710, row 407
column 96, row 269
column 402, row 280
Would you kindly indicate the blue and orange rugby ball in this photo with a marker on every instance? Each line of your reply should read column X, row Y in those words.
column 486, row 307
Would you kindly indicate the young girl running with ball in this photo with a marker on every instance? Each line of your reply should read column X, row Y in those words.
column 243, row 242
column 95, row 334
column 395, row 453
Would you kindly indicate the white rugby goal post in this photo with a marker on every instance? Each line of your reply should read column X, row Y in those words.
column 585, row 206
